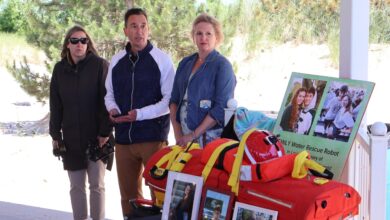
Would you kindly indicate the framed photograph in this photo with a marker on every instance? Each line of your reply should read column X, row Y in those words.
column 216, row 204
column 182, row 196
column 322, row 115
column 244, row 211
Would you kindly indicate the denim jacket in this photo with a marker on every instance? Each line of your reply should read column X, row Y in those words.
column 209, row 89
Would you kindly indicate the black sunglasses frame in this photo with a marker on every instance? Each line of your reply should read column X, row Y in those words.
column 82, row 40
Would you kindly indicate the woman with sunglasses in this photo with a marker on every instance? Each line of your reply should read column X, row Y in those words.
column 79, row 119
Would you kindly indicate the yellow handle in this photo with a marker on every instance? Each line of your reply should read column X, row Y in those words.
column 180, row 161
column 175, row 157
column 214, row 156
column 182, row 157
column 315, row 166
column 170, row 157
column 302, row 163
column 234, row 179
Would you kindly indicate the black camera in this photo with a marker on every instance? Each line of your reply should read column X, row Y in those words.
column 95, row 153
column 60, row 150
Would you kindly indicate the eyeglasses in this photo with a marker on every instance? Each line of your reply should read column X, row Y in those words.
column 83, row 40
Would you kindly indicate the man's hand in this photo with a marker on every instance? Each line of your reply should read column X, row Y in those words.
column 112, row 113
column 132, row 115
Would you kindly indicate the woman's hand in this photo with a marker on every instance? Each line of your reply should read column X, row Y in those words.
column 55, row 144
column 102, row 140
column 178, row 137
column 185, row 139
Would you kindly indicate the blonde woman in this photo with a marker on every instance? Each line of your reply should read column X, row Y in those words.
column 204, row 82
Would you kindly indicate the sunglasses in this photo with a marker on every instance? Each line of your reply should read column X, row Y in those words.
column 83, row 40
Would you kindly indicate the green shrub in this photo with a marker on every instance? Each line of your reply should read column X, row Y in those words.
column 380, row 24
column 11, row 17
column 334, row 46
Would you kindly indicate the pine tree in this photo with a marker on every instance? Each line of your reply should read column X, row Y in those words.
column 170, row 24
column 11, row 17
column 48, row 22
